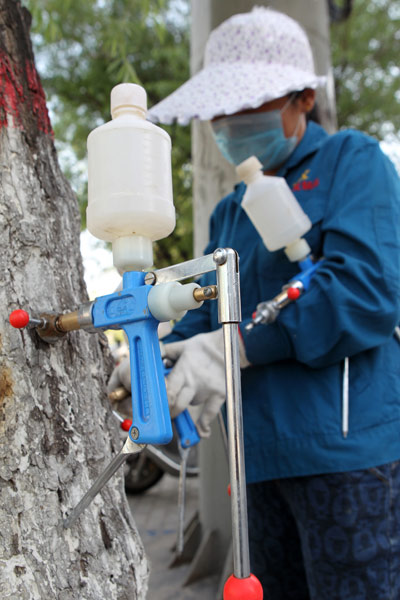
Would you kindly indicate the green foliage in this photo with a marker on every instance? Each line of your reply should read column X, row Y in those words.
column 365, row 56
column 85, row 48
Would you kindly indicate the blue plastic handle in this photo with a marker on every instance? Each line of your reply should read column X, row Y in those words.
column 308, row 268
column 128, row 310
column 150, row 411
column 186, row 429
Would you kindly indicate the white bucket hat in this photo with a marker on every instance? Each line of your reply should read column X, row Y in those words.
column 249, row 59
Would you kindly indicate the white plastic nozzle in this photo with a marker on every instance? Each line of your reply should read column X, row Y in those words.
column 128, row 96
column 249, row 169
column 172, row 300
column 297, row 250
column 132, row 253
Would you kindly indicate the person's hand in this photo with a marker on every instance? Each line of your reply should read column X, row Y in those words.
column 198, row 376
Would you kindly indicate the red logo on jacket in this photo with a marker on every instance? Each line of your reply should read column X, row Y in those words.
column 303, row 183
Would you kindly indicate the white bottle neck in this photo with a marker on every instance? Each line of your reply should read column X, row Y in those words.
column 252, row 177
column 135, row 111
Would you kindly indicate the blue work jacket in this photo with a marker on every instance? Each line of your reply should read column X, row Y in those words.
column 292, row 393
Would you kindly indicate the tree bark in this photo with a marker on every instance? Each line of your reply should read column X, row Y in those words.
column 56, row 429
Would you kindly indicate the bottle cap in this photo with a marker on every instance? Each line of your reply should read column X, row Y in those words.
column 126, row 96
column 248, row 169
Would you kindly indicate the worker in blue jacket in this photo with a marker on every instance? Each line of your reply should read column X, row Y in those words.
column 323, row 486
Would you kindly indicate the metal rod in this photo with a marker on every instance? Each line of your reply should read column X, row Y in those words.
column 185, row 270
column 184, row 452
column 240, row 534
column 224, row 434
column 229, row 315
column 128, row 448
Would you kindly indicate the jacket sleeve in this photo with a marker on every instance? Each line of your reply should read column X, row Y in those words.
column 353, row 302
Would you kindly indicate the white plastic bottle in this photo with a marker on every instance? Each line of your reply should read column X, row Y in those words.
column 274, row 211
column 130, row 200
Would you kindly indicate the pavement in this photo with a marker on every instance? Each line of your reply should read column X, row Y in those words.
column 156, row 515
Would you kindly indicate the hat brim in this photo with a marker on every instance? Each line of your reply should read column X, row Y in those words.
column 227, row 88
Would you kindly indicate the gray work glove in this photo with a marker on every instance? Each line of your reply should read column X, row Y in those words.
column 198, row 376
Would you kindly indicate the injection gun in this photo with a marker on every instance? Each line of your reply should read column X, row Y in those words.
column 130, row 204
column 131, row 310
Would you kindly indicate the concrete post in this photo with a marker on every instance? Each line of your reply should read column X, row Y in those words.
column 213, row 178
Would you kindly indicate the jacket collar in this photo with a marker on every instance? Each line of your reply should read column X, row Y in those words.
column 313, row 138
column 311, row 141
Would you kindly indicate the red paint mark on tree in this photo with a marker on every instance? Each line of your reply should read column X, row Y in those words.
column 11, row 92
column 38, row 99
column 15, row 101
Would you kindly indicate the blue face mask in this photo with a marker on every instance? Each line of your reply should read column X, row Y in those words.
column 259, row 134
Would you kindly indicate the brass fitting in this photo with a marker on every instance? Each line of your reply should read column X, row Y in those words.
column 49, row 332
column 68, row 322
column 118, row 394
column 56, row 326
column 208, row 292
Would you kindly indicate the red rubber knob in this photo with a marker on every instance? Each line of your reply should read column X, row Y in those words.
column 19, row 318
column 126, row 424
column 243, row 589
column 229, row 489
column 293, row 293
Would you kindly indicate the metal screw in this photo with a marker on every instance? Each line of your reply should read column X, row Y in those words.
column 134, row 433
column 220, row 256
column 150, row 278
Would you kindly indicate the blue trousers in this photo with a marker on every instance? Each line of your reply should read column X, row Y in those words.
column 327, row 537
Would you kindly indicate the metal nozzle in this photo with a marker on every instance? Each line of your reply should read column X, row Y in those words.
column 209, row 292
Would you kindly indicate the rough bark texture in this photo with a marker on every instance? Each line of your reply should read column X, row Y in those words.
column 56, row 429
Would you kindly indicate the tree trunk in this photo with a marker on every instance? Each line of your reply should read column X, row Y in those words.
column 57, row 431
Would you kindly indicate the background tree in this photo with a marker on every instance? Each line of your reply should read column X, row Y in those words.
column 54, row 416
column 365, row 54
column 87, row 47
